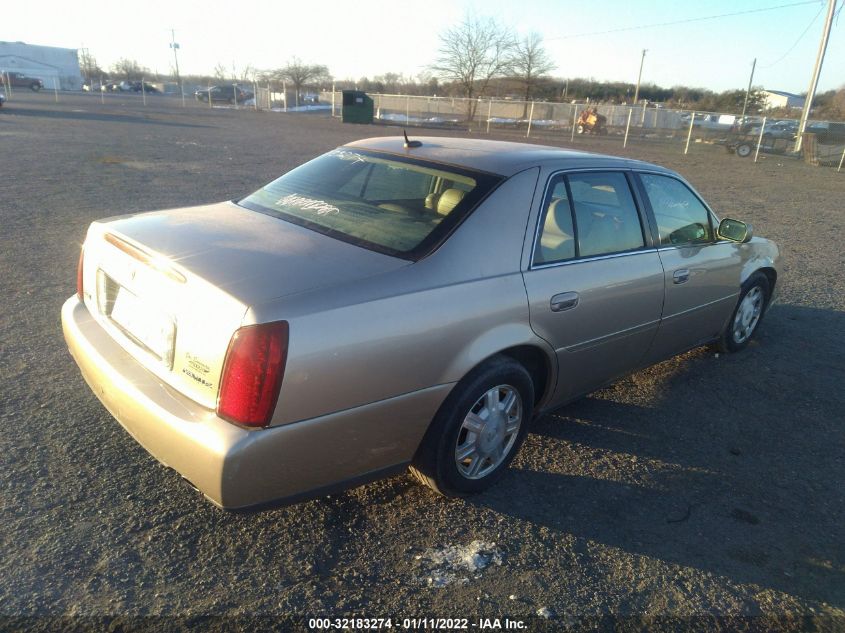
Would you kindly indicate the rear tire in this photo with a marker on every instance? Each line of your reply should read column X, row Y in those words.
column 35, row 87
column 748, row 314
column 478, row 429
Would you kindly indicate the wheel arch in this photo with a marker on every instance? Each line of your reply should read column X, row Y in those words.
column 539, row 366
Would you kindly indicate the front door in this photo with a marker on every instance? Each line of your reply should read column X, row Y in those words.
column 701, row 273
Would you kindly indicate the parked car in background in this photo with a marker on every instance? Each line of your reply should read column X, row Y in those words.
column 391, row 304
column 136, row 86
column 19, row 80
column 225, row 94
column 774, row 130
column 721, row 122
column 827, row 132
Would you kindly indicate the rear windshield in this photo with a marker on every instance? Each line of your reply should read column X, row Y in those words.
column 391, row 204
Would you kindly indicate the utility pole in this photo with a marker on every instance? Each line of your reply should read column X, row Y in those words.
column 175, row 48
column 639, row 77
column 748, row 92
column 814, row 82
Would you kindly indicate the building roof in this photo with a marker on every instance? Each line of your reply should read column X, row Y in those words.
column 784, row 94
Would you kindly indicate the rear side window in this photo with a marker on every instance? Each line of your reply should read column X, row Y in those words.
column 394, row 205
column 681, row 217
column 586, row 215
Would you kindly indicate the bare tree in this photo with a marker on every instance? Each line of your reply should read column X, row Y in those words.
column 130, row 69
column 220, row 71
column 89, row 66
column 472, row 53
column 300, row 74
column 530, row 62
column 247, row 74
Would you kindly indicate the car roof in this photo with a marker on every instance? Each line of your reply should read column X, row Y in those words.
column 497, row 157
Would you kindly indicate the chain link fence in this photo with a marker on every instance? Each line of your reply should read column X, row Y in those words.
column 676, row 129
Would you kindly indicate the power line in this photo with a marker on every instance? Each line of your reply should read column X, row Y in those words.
column 685, row 21
column 800, row 37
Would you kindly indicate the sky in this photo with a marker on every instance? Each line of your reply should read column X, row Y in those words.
column 358, row 38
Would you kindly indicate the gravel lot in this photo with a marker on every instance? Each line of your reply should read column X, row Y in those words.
column 706, row 491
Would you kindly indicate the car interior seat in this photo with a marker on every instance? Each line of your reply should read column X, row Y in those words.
column 557, row 242
column 449, row 199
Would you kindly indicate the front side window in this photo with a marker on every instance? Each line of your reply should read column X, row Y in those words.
column 586, row 215
column 681, row 217
column 390, row 204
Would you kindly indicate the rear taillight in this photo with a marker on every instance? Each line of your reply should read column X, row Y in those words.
column 253, row 373
column 79, row 285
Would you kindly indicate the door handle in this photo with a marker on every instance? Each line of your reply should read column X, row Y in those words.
column 681, row 276
column 564, row 301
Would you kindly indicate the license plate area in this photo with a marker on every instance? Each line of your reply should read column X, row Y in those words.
column 141, row 321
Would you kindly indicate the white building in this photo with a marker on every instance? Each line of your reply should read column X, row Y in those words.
column 56, row 67
column 779, row 99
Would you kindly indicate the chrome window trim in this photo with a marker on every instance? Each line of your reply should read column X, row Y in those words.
column 542, row 211
column 592, row 258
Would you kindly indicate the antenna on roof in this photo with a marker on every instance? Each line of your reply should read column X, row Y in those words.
column 408, row 143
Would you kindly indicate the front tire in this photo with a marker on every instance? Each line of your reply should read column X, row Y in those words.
column 35, row 87
column 746, row 317
column 478, row 430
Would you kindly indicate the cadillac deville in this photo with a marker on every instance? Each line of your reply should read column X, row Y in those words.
column 392, row 304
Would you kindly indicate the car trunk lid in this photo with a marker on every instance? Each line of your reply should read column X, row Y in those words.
column 173, row 286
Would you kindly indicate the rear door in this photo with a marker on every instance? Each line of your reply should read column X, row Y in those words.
column 702, row 274
column 595, row 282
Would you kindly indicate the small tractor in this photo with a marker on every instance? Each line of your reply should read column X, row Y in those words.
column 591, row 122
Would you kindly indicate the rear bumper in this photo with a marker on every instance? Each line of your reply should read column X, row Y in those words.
column 235, row 467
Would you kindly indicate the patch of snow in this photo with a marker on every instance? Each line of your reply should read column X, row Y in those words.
column 453, row 563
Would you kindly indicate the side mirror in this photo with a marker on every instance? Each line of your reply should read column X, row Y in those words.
column 735, row 231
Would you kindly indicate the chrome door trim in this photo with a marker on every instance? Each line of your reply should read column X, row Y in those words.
column 643, row 327
column 568, row 262
column 701, row 307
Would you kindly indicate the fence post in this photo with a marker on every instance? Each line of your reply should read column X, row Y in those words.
column 627, row 127
column 645, row 105
column 489, row 113
column 530, row 119
column 760, row 139
column 56, row 90
column 102, row 92
column 269, row 97
column 8, row 86
column 285, row 93
column 143, row 90
column 407, row 109
column 208, row 94
column 255, row 95
column 182, row 92
column 333, row 91
column 574, row 121
column 838, row 169
column 689, row 134
column 235, row 94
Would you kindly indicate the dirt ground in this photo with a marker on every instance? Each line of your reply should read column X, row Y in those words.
column 704, row 492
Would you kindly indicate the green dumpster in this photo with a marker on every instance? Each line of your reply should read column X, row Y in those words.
column 357, row 107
